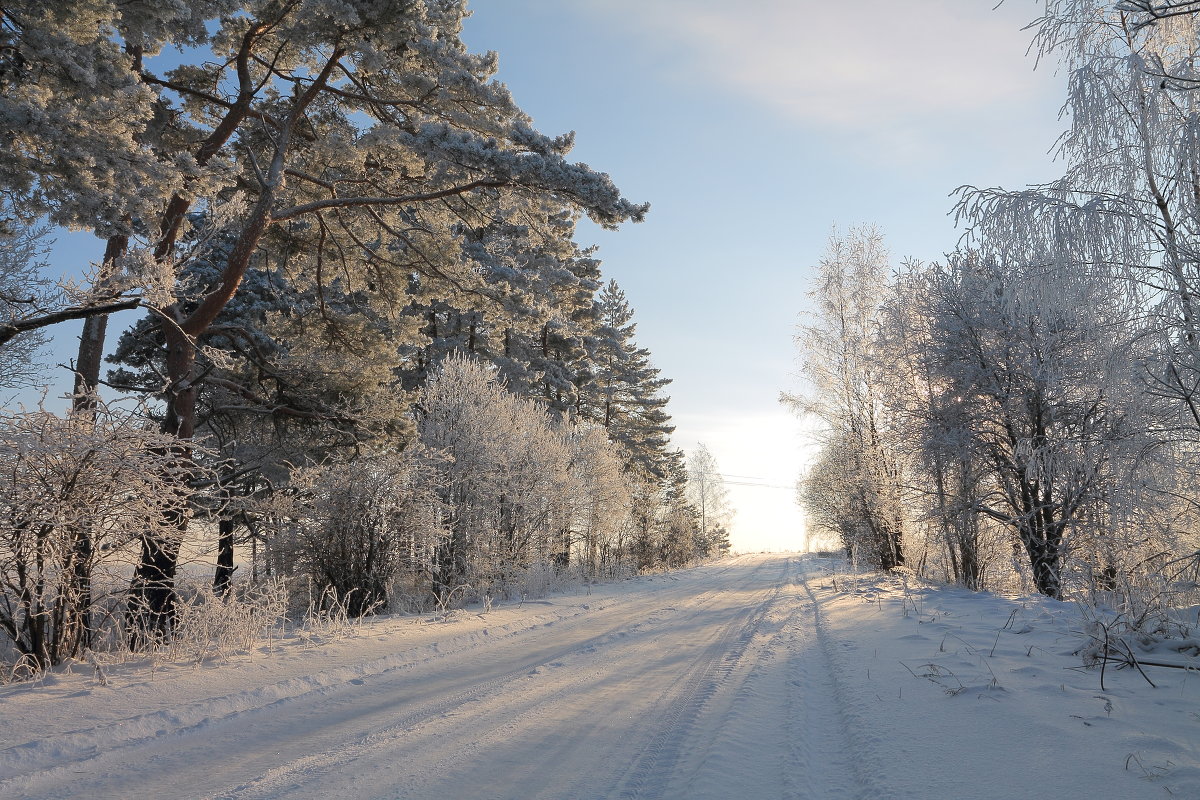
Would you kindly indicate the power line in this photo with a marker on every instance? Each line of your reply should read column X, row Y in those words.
column 746, row 480
column 760, row 485
column 727, row 475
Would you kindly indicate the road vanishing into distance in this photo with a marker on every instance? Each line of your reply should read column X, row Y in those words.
column 706, row 683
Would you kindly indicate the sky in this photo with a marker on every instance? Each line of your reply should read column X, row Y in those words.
column 754, row 129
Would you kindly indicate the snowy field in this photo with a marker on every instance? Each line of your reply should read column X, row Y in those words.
column 763, row 676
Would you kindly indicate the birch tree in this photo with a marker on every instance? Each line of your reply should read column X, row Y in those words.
column 1128, row 198
column 503, row 476
column 710, row 498
column 600, row 503
column 945, row 477
column 1035, row 364
column 352, row 522
column 838, row 361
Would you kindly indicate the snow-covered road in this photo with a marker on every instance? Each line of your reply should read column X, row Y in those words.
column 704, row 683
column 755, row 677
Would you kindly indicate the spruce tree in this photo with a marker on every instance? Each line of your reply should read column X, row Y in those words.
column 624, row 394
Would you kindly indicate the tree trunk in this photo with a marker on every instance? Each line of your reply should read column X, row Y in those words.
column 224, row 574
column 83, row 405
column 449, row 565
column 80, row 594
column 971, row 568
column 562, row 555
column 1045, row 560
column 151, row 613
column 91, row 341
column 87, row 365
column 152, row 593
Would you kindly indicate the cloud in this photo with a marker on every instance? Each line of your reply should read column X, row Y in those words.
column 848, row 66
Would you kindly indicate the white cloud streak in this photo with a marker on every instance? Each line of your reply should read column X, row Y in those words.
column 850, row 66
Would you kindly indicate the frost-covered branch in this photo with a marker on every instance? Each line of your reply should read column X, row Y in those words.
column 14, row 328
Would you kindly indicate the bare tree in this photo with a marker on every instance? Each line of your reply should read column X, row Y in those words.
column 74, row 493
column 707, row 492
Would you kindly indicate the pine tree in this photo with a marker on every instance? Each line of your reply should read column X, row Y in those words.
column 624, row 394
column 528, row 316
column 391, row 144
column 680, row 521
column 357, row 147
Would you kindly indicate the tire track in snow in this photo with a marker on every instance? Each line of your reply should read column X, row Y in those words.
column 307, row 772
column 746, row 737
column 374, row 725
column 314, row 766
column 36, row 761
column 713, row 668
column 342, row 724
column 41, row 755
column 830, row 705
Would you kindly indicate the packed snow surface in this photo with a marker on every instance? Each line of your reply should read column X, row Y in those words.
column 761, row 676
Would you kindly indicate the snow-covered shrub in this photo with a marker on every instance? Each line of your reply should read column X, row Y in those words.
column 208, row 626
column 1145, row 607
column 328, row 617
column 77, row 497
column 350, row 527
column 497, row 491
column 504, row 477
column 522, row 488
column 600, row 503
column 412, row 591
column 542, row 578
column 856, row 488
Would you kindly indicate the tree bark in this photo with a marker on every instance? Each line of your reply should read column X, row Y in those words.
column 151, row 613
column 152, row 591
column 77, row 612
column 1045, row 559
column 91, row 341
column 224, row 574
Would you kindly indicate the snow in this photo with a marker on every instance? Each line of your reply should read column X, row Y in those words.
column 761, row 676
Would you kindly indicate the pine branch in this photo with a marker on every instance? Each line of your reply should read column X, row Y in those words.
column 11, row 330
